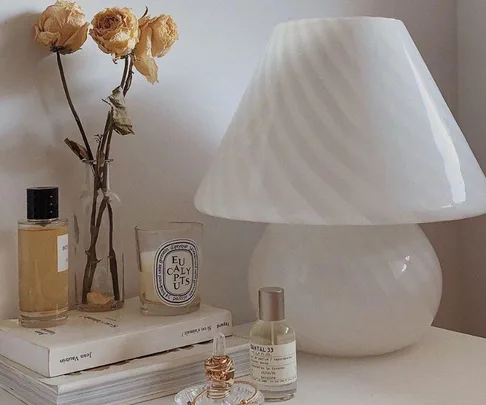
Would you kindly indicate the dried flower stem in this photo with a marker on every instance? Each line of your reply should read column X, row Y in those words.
column 95, row 223
column 108, row 134
column 128, row 82
column 103, row 153
column 91, row 257
column 125, row 72
column 71, row 105
column 100, row 183
column 112, row 256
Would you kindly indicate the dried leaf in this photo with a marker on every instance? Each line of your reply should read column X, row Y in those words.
column 99, row 299
column 100, row 158
column 120, row 122
column 78, row 150
column 76, row 229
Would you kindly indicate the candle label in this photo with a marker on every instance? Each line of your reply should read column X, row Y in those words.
column 176, row 272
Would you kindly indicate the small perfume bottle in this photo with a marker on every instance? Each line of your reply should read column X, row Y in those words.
column 221, row 388
column 272, row 348
column 43, row 261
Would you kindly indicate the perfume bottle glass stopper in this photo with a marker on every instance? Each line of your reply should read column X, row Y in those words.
column 219, row 345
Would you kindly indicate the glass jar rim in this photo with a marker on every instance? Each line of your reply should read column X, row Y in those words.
column 168, row 226
column 93, row 161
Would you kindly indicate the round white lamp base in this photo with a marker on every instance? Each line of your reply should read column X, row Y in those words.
column 351, row 290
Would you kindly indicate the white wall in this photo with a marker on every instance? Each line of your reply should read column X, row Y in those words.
column 179, row 122
column 472, row 109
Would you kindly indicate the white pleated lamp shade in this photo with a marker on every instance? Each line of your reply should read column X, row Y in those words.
column 343, row 124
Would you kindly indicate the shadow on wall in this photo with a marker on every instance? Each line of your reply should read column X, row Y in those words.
column 8, row 264
column 449, row 315
column 29, row 67
column 19, row 55
column 35, row 154
column 32, row 152
column 24, row 151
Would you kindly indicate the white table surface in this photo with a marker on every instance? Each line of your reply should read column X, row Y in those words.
column 445, row 368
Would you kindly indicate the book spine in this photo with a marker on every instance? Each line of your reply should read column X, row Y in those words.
column 23, row 352
column 124, row 347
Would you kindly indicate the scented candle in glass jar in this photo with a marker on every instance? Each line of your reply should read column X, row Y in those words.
column 169, row 261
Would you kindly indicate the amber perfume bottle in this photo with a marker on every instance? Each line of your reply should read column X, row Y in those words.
column 43, row 261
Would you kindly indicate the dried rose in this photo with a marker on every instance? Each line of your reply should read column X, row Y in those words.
column 115, row 30
column 62, row 27
column 157, row 35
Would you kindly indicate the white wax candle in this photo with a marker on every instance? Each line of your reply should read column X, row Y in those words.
column 147, row 276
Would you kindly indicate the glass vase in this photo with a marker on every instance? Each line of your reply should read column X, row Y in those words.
column 98, row 257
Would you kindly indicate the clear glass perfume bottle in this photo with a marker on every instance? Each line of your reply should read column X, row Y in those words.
column 272, row 348
column 43, row 261
column 221, row 389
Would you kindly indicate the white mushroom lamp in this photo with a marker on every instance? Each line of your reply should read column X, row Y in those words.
column 343, row 143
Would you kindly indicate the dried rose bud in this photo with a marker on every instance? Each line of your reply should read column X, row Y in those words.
column 62, row 27
column 157, row 35
column 115, row 30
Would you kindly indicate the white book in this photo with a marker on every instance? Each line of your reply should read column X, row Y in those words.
column 90, row 340
column 124, row 383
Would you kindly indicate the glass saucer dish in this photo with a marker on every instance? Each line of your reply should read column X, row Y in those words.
column 221, row 388
column 240, row 393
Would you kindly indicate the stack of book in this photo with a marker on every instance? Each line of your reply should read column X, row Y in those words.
column 128, row 358
column 130, row 382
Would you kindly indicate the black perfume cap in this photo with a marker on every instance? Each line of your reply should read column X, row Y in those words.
column 42, row 203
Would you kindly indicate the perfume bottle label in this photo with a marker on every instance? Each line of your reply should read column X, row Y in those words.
column 273, row 365
column 176, row 272
column 62, row 252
